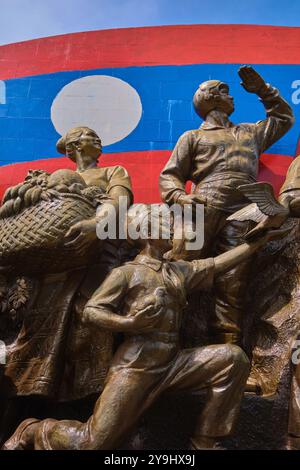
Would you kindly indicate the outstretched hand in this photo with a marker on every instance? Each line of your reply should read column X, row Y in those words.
column 273, row 234
column 251, row 80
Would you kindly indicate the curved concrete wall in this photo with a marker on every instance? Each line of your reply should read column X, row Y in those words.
column 134, row 86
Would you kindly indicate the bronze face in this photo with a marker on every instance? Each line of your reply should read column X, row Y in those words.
column 89, row 144
column 81, row 143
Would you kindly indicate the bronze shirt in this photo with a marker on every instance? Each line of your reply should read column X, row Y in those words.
column 125, row 292
column 107, row 178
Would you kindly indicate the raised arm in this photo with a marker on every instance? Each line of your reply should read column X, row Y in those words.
column 280, row 116
column 199, row 274
column 232, row 258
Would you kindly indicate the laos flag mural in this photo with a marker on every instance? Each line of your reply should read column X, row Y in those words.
column 135, row 88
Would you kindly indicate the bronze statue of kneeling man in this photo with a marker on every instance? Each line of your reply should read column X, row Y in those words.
column 145, row 299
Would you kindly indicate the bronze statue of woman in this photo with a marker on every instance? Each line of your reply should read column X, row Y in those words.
column 54, row 356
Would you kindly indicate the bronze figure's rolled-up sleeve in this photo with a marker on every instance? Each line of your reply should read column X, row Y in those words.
column 279, row 119
column 109, row 295
column 178, row 170
column 118, row 176
column 198, row 274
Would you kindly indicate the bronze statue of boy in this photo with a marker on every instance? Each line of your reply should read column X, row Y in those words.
column 145, row 299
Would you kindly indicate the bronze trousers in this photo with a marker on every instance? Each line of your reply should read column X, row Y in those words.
column 220, row 369
column 230, row 288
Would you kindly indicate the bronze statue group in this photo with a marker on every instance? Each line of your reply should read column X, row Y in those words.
column 65, row 344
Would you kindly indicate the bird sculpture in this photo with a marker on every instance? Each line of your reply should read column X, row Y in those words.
column 264, row 209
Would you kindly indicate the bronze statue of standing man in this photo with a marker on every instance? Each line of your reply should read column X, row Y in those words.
column 218, row 157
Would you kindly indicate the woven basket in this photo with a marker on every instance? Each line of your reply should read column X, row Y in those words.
column 33, row 240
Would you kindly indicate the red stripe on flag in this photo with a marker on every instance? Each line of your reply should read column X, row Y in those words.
column 144, row 169
column 273, row 169
column 163, row 45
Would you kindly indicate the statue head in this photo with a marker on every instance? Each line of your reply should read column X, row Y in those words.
column 213, row 95
column 80, row 141
column 150, row 224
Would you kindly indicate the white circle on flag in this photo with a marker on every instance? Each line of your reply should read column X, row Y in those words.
column 106, row 104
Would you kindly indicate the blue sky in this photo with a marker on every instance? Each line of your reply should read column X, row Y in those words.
column 28, row 19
